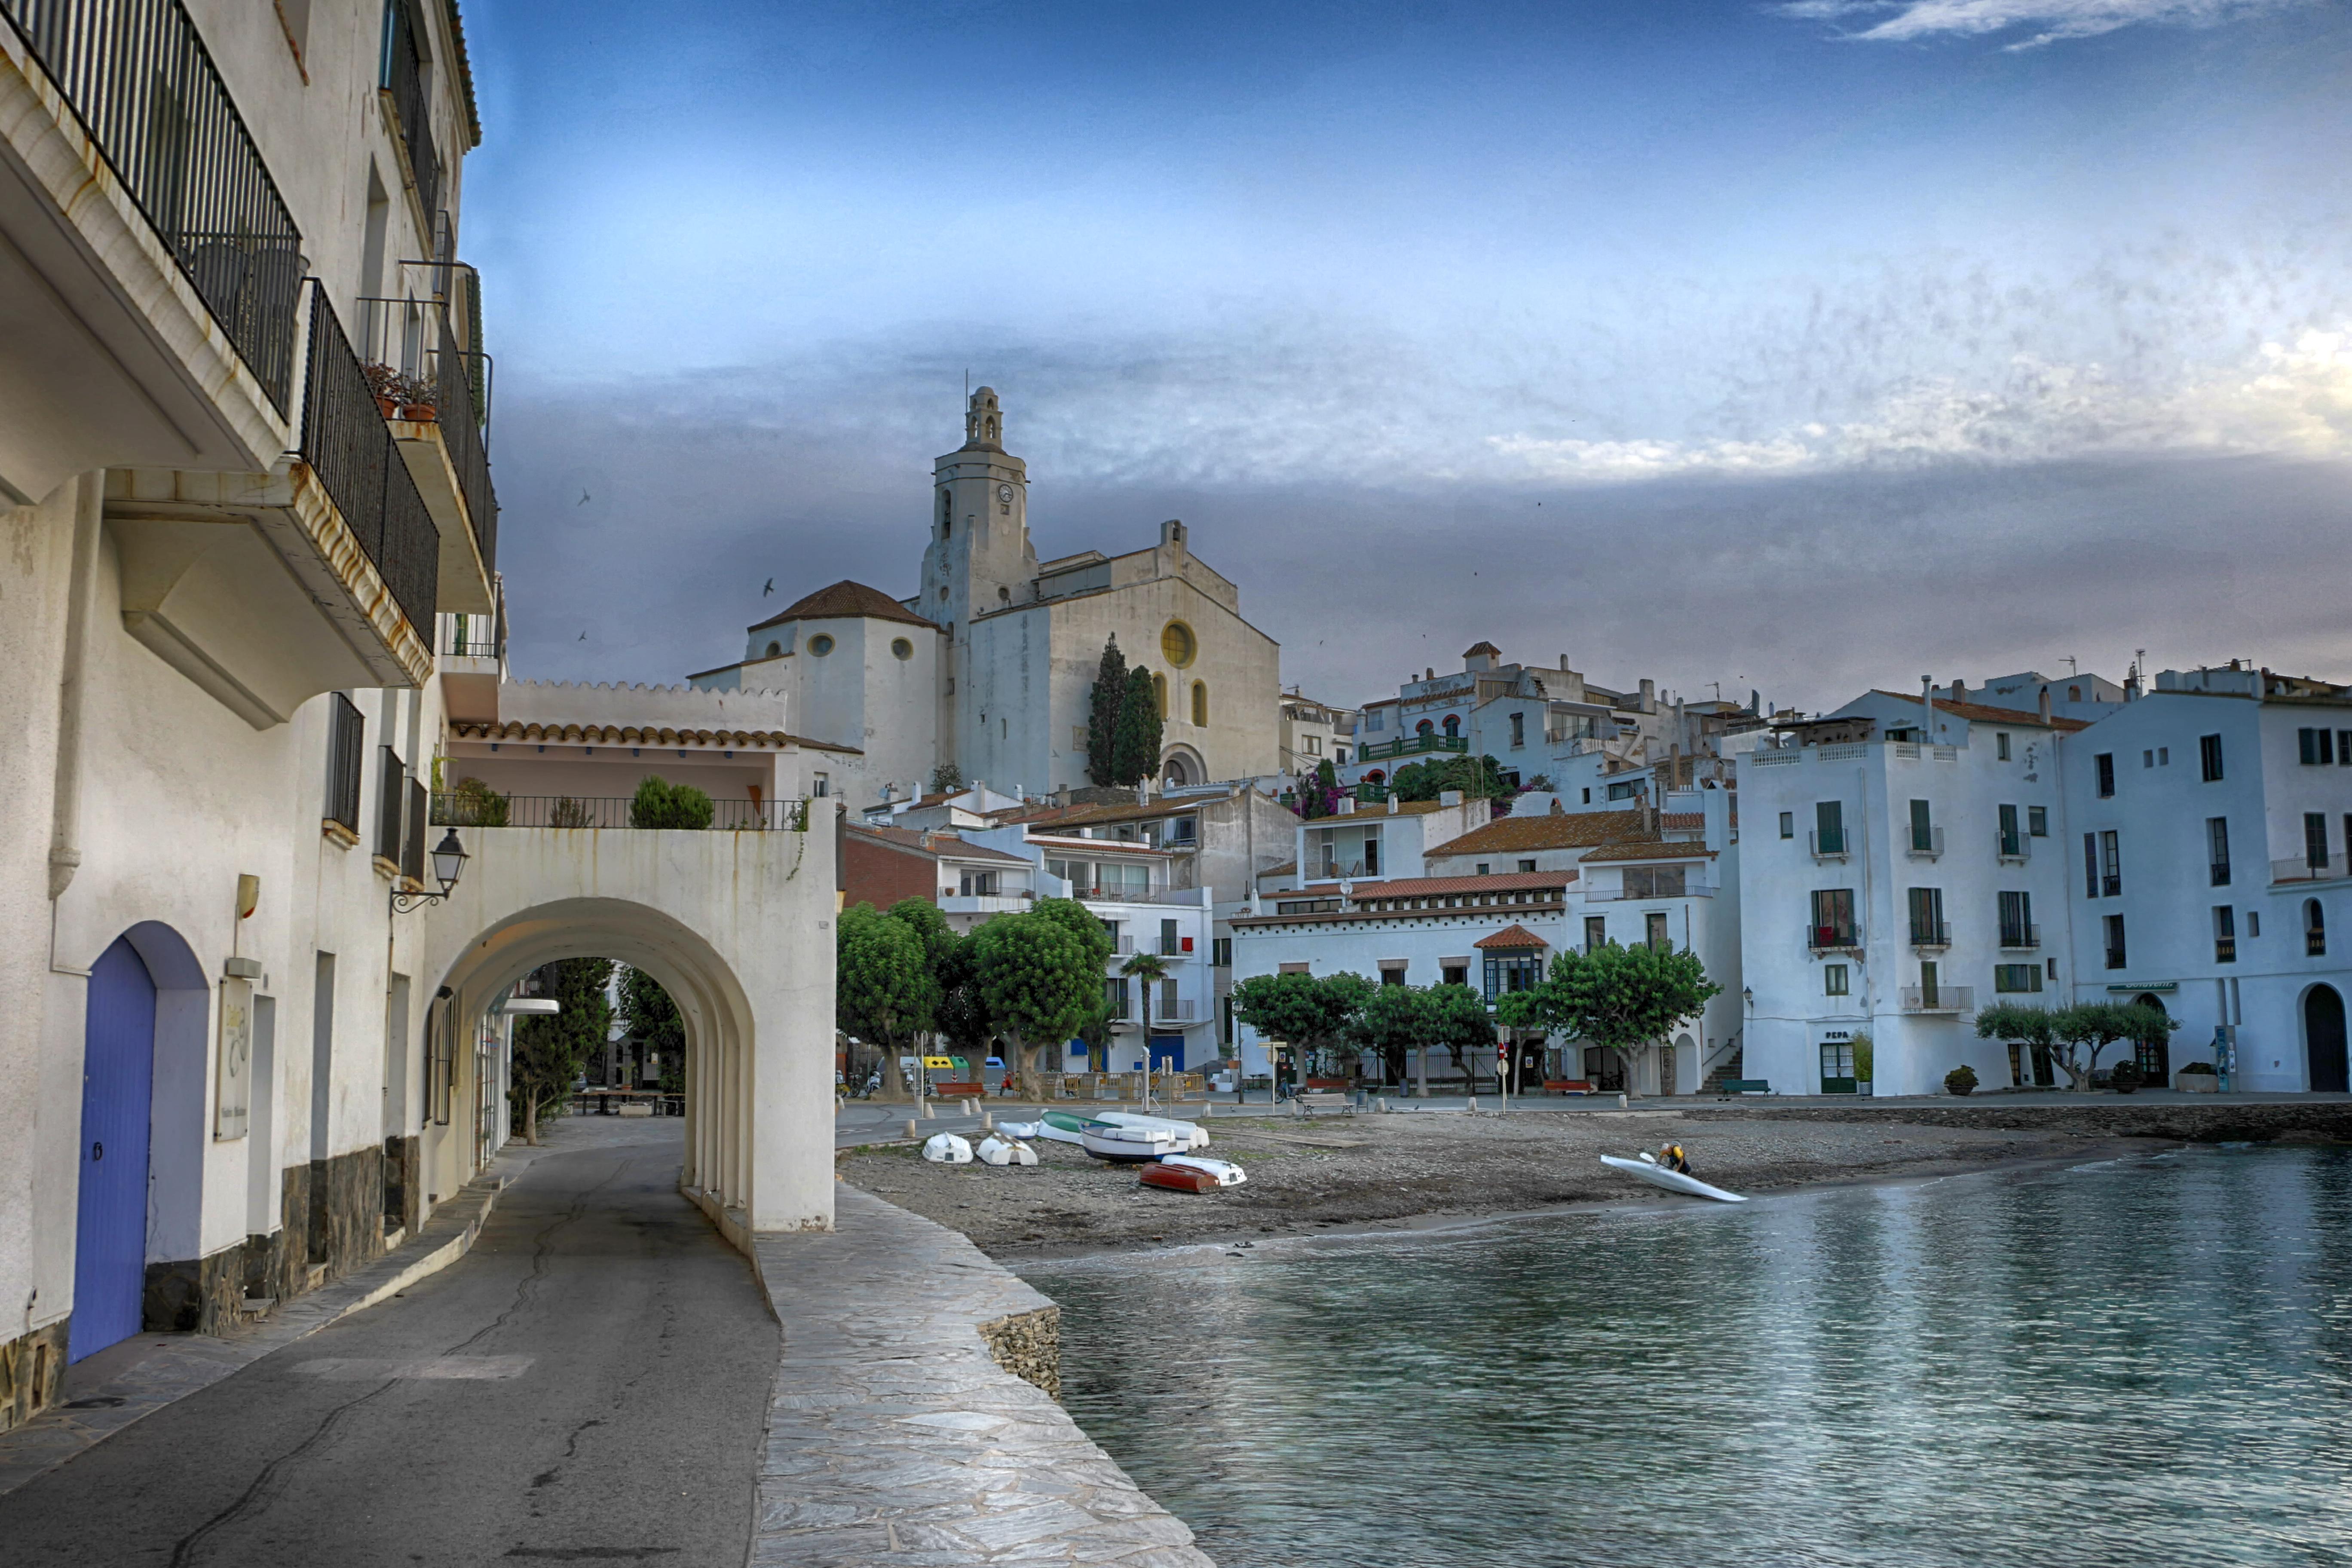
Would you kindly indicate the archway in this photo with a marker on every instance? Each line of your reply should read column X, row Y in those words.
column 1181, row 768
column 1453, row 726
column 2323, row 1040
column 2154, row 1058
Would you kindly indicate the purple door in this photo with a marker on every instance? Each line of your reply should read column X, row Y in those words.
column 110, row 1228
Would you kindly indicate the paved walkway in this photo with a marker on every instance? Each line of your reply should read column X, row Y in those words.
column 895, row 1438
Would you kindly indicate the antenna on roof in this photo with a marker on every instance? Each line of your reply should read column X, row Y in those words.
column 2073, row 667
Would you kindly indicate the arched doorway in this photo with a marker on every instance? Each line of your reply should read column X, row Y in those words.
column 2155, row 1058
column 1183, row 768
column 118, row 1081
column 2323, row 1040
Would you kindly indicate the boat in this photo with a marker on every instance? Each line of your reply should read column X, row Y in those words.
column 1128, row 1145
column 1228, row 1174
column 947, row 1149
column 1657, row 1175
column 1195, row 1135
column 997, row 1149
column 1179, row 1178
column 1061, row 1126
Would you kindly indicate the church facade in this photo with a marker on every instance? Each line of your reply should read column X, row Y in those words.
column 991, row 664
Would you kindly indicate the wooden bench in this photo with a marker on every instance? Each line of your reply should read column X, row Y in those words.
column 959, row 1090
column 1744, row 1086
column 1567, row 1086
column 1313, row 1100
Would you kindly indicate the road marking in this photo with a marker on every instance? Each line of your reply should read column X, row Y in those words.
column 357, row 1369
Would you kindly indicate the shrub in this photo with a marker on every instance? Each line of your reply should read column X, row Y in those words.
column 2124, row 1077
column 1961, row 1080
column 476, row 804
column 660, row 804
column 566, row 812
column 2206, row 1068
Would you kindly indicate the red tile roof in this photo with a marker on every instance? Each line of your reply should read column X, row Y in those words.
column 937, row 845
column 1430, row 887
column 1512, row 936
column 1552, row 830
column 845, row 601
column 1978, row 713
column 1649, row 850
column 631, row 735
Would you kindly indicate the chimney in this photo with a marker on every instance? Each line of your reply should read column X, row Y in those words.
column 1347, row 805
column 1960, row 691
column 2045, row 705
column 1143, row 792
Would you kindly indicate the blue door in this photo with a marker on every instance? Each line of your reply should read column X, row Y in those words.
column 110, row 1228
column 1167, row 1052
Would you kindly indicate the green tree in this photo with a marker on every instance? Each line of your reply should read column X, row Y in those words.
column 883, row 990
column 1103, row 704
column 947, row 779
column 651, row 1018
column 1146, row 970
column 1478, row 778
column 1307, row 1014
column 962, row 1019
column 1040, row 980
column 2024, row 1026
column 1393, row 1020
column 660, row 804
column 1460, row 1022
column 1134, row 752
column 1624, row 998
column 551, row 1050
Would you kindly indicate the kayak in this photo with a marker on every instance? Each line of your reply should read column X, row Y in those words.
column 1227, row 1173
column 1657, row 1175
column 1128, row 1145
column 1195, row 1135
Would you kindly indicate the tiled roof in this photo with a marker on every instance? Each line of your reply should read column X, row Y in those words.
column 1099, row 846
column 631, row 735
column 1430, row 887
column 1286, row 869
column 1512, row 936
column 844, row 601
column 1404, row 808
column 1978, row 713
column 1051, row 818
column 1649, row 850
column 1480, row 646
column 948, row 846
column 1681, row 821
column 1559, row 830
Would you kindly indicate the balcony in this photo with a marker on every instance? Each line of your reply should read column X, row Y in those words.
column 408, row 111
column 2014, row 849
column 1929, row 845
column 435, row 396
column 1938, row 999
column 1830, row 845
column 1931, row 933
column 1833, row 939
column 1410, row 745
column 472, row 662
column 2021, row 938
column 2225, row 950
column 985, row 904
column 493, row 810
column 1183, row 1010
column 2309, row 868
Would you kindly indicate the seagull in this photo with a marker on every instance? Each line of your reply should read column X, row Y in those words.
column 769, row 589
column 584, row 637
column 583, row 499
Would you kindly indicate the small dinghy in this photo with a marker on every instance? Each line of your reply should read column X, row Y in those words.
column 1058, row 1125
column 947, row 1149
column 1228, row 1174
column 999, row 1150
column 1195, row 1136
column 1657, row 1175
column 1126, row 1145
column 1180, row 1178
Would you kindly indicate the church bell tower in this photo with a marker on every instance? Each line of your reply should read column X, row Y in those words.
column 980, row 559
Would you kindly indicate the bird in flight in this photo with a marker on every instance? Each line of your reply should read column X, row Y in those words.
column 583, row 499
column 584, row 637
column 769, row 589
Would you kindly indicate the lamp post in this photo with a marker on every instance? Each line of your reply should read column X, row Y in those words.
column 448, row 865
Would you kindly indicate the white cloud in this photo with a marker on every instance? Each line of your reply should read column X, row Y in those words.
column 2288, row 400
column 1902, row 20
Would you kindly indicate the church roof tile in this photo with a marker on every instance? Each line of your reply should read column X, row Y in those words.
column 846, row 600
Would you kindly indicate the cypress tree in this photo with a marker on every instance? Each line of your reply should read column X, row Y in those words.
column 1102, row 720
column 1135, row 754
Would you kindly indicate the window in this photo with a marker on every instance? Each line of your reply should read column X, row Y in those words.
column 1314, row 746
column 976, row 884
column 1481, row 870
column 346, row 742
column 1788, row 820
column 1655, row 934
column 1453, row 974
column 1375, row 721
column 2217, row 849
column 1829, row 828
column 775, row 648
column 1596, row 933
column 2012, row 843
column 2037, row 822
column 2315, row 930
column 2090, row 865
column 2164, row 756
column 1221, row 952
column 820, row 645
column 1654, row 881
column 1513, row 969
column 2344, row 747
column 2104, row 765
column 1837, row 1067
column 2209, row 756
column 1619, row 792
column 1177, row 645
column 1526, row 865
column 1371, row 854
column 823, row 784
column 1391, row 973
column 1159, row 694
column 2015, row 977
column 2317, row 746
column 1518, row 731
column 2111, row 866
column 1115, row 993
column 391, row 803
column 2148, row 757
column 1833, row 918
column 1587, row 799
column 2253, row 925
column 1201, row 703
column 2115, row 934
column 1834, row 978
column 2017, row 921
column 2000, row 745
column 2225, row 934
column 1923, row 830
column 2315, row 839
column 1453, row 724
column 1927, row 927
column 901, row 650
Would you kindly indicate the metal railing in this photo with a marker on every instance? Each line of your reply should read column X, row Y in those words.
column 346, row 737
column 2225, row 950
column 1928, row 847
column 1826, row 845
column 403, row 78
column 2021, row 938
column 2309, row 868
column 488, row 809
column 391, row 804
column 1931, row 933
column 347, row 446
column 1832, row 939
column 140, row 80
column 415, row 361
column 2012, row 846
column 1939, row 998
column 1408, row 745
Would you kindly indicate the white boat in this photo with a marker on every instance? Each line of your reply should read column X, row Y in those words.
column 1657, row 1175
column 1195, row 1135
column 997, row 1149
column 1060, row 1126
column 1128, row 1145
column 947, row 1149
column 1228, row 1174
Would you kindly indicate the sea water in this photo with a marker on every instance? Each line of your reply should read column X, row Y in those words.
column 2146, row 1360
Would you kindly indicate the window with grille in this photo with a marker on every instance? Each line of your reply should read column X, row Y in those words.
column 1927, row 927
column 2217, row 849
column 2111, row 865
column 2017, row 919
column 2225, row 934
column 346, row 737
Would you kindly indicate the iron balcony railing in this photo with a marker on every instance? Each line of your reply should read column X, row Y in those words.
column 1827, row 845
column 2310, row 868
column 2225, row 950
column 1407, row 745
column 137, row 75
column 346, row 734
column 488, row 809
column 347, row 446
column 1938, row 998
column 421, row 372
column 1931, row 933
column 405, row 80
column 2010, row 845
column 2021, row 938
column 1927, row 844
column 1832, row 939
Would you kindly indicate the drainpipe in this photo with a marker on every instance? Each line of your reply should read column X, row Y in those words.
column 65, row 824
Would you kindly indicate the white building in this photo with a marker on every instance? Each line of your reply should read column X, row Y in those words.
column 2208, row 825
column 1898, row 871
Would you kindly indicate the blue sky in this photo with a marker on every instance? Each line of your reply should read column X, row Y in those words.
column 1633, row 333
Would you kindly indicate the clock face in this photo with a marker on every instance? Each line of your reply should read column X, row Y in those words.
column 1004, row 494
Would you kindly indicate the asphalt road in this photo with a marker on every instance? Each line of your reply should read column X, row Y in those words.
column 590, row 1384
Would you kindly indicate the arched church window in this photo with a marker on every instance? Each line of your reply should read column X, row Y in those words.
column 1201, row 703
column 775, row 648
column 1160, row 693
column 2314, row 929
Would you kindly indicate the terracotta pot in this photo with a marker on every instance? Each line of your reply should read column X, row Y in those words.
column 388, row 408
column 424, row 413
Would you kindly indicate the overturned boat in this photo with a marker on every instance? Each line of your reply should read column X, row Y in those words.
column 1658, row 1175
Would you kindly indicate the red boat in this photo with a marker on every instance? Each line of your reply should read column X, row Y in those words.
column 1177, row 1179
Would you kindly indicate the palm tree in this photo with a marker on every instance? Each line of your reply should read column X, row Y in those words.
column 1147, row 968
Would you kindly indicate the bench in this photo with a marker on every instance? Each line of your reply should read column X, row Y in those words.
column 1744, row 1086
column 1567, row 1086
column 1313, row 1100
column 959, row 1090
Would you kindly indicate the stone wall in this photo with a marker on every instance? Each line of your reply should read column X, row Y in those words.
column 31, row 1368
column 346, row 1220
column 1029, row 1346
column 2184, row 1121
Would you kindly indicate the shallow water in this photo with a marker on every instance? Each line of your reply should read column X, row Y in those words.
column 2143, row 1361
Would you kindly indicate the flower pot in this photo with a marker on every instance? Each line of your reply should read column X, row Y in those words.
column 389, row 407
column 2197, row 1082
column 424, row 413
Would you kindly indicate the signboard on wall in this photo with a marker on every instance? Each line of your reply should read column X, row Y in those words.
column 233, row 1096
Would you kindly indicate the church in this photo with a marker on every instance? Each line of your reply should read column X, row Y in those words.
column 991, row 664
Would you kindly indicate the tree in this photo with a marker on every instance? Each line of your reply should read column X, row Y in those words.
column 2013, row 1021
column 649, row 1017
column 1478, row 778
column 1147, row 970
column 660, row 804
column 947, row 779
column 1040, row 980
column 549, row 1051
column 1109, row 694
column 1135, row 749
column 1393, row 1020
column 1306, row 1013
column 963, row 1020
column 883, row 990
column 1624, row 998
column 1319, row 797
column 1459, row 1021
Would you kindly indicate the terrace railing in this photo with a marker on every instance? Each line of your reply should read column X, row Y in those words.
column 1410, row 745
column 405, row 80
column 487, row 809
column 348, row 447
column 137, row 75
column 410, row 347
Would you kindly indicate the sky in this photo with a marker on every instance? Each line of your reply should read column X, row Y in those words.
column 1788, row 347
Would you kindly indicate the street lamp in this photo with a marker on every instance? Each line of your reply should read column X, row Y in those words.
column 448, row 865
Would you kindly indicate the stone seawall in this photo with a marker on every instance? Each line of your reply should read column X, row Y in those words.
column 913, row 1417
column 2182, row 1121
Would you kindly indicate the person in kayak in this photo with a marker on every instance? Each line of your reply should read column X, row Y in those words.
column 1673, row 1157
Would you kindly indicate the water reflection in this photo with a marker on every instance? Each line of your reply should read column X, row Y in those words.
column 2136, row 1363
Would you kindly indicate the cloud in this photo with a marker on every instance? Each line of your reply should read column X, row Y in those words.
column 2289, row 400
column 1899, row 21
